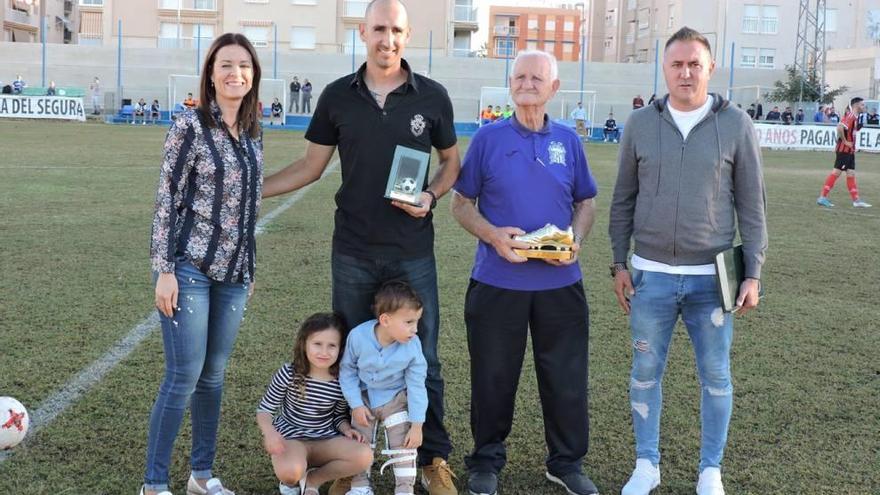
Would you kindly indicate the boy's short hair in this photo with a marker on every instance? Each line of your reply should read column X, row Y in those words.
column 395, row 295
column 856, row 100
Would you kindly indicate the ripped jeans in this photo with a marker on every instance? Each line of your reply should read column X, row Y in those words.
column 659, row 300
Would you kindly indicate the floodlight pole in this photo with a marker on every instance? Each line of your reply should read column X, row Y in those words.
column 198, row 46
column 119, row 61
column 430, row 50
column 352, row 50
column 275, row 53
column 583, row 46
column 732, row 66
column 507, row 56
column 43, row 39
column 656, row 64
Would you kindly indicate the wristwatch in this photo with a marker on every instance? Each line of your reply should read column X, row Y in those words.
column 616, row 268
column 433, row 198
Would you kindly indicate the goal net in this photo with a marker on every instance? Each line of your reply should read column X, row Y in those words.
column 559, row 108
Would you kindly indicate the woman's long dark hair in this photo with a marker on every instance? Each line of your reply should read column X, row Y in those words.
column 249, row 112
column 316, row 323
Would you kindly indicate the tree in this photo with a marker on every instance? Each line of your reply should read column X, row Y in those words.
column 483, row 51
column 796, row 85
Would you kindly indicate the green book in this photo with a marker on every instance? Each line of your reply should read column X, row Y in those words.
column 731, row 272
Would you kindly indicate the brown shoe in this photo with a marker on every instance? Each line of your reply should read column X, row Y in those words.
column 340, row 486
column 437, row 478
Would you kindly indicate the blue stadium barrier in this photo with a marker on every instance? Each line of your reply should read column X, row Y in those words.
column 301, row 123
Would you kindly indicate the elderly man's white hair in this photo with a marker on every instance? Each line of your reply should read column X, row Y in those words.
column 554, row 67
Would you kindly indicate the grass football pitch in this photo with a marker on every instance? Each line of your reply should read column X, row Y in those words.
column 76, row 203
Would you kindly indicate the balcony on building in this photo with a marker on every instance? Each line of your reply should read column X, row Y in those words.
column 355, row 9
column 512, row 31
column 68, row 7
column 21, row 13
column 465, row 16
column 197, row 5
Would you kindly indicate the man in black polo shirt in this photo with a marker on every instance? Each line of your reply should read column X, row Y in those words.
column 366, row 115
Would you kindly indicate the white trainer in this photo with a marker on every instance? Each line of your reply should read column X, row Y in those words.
column 288, row 490
column 860, row 204
column 710, row 482
column 645, row 478
column 360, row 490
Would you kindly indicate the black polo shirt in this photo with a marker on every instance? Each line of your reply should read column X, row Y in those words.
column 418, row 114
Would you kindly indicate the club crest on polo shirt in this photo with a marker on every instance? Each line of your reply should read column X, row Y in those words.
column 557, row 153
column 417, row 125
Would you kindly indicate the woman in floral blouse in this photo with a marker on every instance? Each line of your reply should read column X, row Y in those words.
column 202, row 253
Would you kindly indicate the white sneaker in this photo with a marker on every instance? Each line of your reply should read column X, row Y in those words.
column 710, row 482
column 645, row 478
column 288, row 490
column 860, row 204
column 360, row 490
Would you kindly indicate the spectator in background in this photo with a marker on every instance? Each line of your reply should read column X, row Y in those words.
column 774, row 115
column 751, row 111
column 579, row 115
column 638, row 102
column 50, row 91
column 189, row 102
column 799, row 116
column 154, row 111
column 819, row 116
column 18, row 85
column 7, row 89
column 787, row 116
column 97, row 95
column 486, row 115
column 507, row 113
column 140, row 110
column 759, row 110
column 873, row 118
column 610, row 129
column 833, row 117
column 306, row 96
column 496, row 114
column 295, row 86
column 277, row 109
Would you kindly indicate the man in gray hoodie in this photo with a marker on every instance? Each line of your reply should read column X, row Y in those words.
column 689, row 175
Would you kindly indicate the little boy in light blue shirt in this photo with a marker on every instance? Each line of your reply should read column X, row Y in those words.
column 382, row 375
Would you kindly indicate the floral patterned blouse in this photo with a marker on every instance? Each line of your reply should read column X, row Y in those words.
column 208, row 199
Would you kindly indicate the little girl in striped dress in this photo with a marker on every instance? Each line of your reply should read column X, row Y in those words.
column 304, row 416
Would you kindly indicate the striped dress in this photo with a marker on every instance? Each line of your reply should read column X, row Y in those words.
column 317, row 416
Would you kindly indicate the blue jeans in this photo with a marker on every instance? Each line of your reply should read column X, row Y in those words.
column 659, row 300
column 355, row 282
column 197, row 341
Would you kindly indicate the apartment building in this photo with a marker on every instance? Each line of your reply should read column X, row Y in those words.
column 554, row 30
column 761, row 33
column 464, row 26
column 308, row 26
column 22, row 19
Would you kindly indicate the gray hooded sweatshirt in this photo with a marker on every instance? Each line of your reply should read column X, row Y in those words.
column 681, row 200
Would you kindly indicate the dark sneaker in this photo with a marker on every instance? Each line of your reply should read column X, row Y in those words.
column 575, row 483
column 483, row 484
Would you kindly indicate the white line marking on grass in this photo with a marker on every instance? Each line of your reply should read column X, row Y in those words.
column 80, row 384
